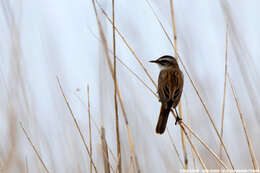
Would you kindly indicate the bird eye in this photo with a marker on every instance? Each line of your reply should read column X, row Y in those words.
column 164, row 62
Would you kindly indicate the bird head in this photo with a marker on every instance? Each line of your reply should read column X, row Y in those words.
column 165, row 62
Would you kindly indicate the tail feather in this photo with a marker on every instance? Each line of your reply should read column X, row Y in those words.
column 163, row 117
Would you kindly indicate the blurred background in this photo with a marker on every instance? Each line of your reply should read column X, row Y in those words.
column 43, row 40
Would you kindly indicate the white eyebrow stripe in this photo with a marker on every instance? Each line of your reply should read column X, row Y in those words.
column 166, row 59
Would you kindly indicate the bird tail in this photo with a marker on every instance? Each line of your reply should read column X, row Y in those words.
column 163, row 117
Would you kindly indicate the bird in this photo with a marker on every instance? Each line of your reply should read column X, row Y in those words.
column 170, row 87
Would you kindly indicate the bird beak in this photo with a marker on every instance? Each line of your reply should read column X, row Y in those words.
column 153, row 61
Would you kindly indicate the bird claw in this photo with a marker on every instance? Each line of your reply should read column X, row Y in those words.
column 177, row 120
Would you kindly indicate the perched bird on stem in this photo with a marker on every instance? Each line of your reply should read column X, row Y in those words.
column 170, row 86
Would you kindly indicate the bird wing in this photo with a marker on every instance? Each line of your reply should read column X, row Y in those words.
column 170, row 85
column 163, row 89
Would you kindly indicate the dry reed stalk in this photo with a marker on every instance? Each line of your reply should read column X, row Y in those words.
column 184, row 149
column 192, row 155
column 183, row 141
column 140, row 79
column 34, row 148
column 99, row 131
column 96, row 126
column 90, row 134
column 129, row 47
column 182, row 125
column 77, row 125
column 132, row 150
column 131, row 144
column 105, row 151
column 175, row 148
column 253, row 159
column 192, row 145
column 174, row 28
column 197, row 153
column 195, row 150
column 132, row 165
column 119, row 167
column 160, row 23
column 204, row 144
column 224, row 95
column 189, row 134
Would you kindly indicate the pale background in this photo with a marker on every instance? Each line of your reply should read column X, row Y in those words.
column 44, row 39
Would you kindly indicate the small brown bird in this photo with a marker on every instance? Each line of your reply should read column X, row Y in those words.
column 170, row 86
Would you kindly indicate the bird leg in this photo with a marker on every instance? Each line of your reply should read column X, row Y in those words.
column 177, row 118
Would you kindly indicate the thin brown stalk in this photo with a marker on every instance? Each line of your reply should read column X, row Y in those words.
column 182, row 125
column 105, row 148
column 117, row 88
column 175, row 148
column 197, row 92
column 183, row 141
column 197, row 153
column 174, row 28
column 132, row 149
column 108, row 58
column 224, row 95
column 129, row 47
column 205, row 145
column 89, row 130
column 119, row 167
column 192, row 145
column 97, row 128
column 195, row 150
column 77, row 125
column 132, row 165
column 34, row 148
column 189, row 123
column 99, row 131
column 160, row 23
column 193, row 157
column 140, row 79
column 105, row 151
column 251, row 151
